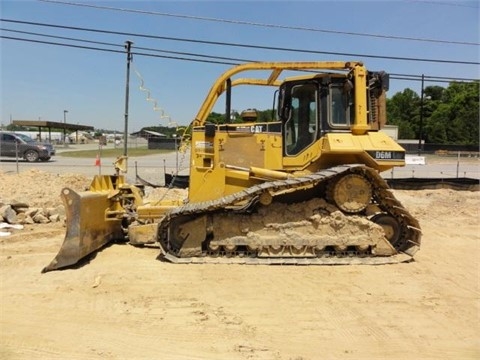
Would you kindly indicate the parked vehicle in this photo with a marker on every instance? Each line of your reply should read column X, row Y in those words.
column 23, row 146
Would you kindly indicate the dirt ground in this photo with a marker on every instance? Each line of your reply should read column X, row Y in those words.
column 125, row 304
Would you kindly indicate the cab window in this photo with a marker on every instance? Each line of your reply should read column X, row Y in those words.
column 340, row 106
column 301, row 125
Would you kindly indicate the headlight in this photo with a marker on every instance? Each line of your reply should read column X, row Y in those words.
column 40, row 147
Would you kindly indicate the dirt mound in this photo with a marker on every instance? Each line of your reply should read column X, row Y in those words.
column 38, row 188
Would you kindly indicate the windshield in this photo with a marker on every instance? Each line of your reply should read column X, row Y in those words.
column 25, row 138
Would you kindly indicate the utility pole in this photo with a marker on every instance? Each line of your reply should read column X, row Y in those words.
column 64, row 127
column 128, row 45
column 176, row 154
column 421, row 120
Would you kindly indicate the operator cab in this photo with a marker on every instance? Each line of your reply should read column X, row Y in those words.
column 312, row 106
column 309, row 107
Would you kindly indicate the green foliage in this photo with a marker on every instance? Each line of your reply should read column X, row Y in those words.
column 216, row 118
column 436, row 129
column 403, row 106
column 402, row 110
column 266, row 115
column 262, row 116
column 11, row 127
column 450, row 115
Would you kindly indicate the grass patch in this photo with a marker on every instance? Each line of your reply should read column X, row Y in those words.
column 141, row 151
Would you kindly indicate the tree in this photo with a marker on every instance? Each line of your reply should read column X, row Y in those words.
column 216, row 118
column 12, row 127
column 457, row 115
column 262, row 116
column 436, row 128
column 450, row 115
column 402, row 110
column 266, row 115
column 434, row 93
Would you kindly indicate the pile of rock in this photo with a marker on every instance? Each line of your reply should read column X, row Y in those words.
column 14, row 212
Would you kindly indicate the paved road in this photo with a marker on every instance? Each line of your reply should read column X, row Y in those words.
column 152, row 167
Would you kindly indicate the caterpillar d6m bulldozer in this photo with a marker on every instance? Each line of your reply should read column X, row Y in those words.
column 303, row 188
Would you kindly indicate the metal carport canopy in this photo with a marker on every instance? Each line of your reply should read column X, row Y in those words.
column 52, row 124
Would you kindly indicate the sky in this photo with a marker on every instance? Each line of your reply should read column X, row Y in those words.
column 40, row 81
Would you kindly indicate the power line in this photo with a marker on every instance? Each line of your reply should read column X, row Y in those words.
column 250, row 46
column 180, row 52
column 116, row 45
column 59, row 44
column 449, row 3
column 410, row 77
column 115, row 51
column 416, row 77
column 60, row 37
column 419, row 78
column 240, row 22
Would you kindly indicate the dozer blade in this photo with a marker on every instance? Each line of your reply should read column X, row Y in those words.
column 87, row 227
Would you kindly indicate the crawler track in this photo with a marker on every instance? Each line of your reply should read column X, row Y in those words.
column 189, row 234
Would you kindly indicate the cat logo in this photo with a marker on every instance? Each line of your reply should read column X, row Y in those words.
column 256, row 129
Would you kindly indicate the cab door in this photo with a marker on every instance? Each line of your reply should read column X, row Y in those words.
column 301, row 124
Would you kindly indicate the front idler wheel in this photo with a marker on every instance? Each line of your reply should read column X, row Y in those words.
column 390, row 226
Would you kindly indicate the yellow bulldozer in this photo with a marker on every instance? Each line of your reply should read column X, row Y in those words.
column 303, row 188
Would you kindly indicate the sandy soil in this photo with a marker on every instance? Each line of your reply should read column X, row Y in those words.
column 125, row 304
